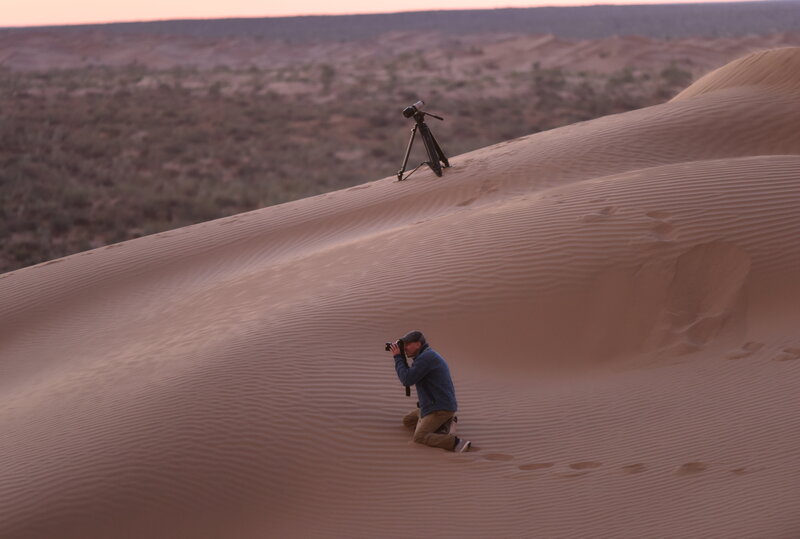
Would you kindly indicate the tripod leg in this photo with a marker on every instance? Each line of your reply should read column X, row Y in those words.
column 433, row 157
column 408, row 151
column 439, row 151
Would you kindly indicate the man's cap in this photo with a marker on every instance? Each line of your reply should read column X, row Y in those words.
column 413, row 336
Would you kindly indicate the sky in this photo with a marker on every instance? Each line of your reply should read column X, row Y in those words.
column 45, row 12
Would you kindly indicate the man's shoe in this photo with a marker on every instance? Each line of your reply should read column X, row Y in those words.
column 462, row 446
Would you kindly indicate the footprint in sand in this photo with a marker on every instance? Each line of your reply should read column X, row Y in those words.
column 634, row 468
column 498, row 457
column 662, row 230
column 747, row 349
column 585, row 465
column 579, row 469
column 600, row 214
column 789, row 354
column 485, row 189
column 467, row 202
column 691, row 468
column 536, row 466
column 660, row 226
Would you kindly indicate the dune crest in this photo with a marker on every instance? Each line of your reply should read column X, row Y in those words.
column 617, row 300
column 774, row 69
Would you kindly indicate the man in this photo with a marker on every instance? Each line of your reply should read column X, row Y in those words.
column 437, row 397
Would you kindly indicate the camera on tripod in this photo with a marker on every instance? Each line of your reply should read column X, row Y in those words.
column 436, row 158
column 410, row 110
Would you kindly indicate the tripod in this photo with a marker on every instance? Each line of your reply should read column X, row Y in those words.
column 436, row 157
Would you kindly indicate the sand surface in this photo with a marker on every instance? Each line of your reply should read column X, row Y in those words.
column 617, row 300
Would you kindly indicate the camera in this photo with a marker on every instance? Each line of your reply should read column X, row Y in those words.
column 399, row 343
column 410, row 111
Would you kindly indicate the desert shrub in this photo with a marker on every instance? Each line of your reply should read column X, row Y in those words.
column 326, row 76
column 675, row 76
column 622, row 77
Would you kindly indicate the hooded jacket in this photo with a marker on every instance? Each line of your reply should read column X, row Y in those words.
column 430, row 374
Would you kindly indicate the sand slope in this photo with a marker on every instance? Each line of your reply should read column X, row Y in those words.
column 616, row 299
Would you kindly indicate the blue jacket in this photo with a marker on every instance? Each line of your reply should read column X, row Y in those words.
column 429, row 372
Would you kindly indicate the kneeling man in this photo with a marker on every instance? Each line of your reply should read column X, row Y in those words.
column 435, row 393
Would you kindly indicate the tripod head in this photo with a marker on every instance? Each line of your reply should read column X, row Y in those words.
column 416, row 111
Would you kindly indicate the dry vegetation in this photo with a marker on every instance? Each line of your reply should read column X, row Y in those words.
column 99, row 155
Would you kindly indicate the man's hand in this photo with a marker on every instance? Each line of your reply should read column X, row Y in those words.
column 395, row 349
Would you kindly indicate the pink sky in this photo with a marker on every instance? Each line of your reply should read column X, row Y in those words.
column 41, row 12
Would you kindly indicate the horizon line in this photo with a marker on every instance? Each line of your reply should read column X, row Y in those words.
column 589, row 3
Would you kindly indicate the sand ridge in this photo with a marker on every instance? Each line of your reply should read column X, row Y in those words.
column 615, row 298
column 770, row 69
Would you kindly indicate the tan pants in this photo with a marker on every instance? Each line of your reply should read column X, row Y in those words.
column 425, row 428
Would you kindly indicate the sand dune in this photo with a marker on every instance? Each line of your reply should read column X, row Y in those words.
column 616, row 299
column 770, row 69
